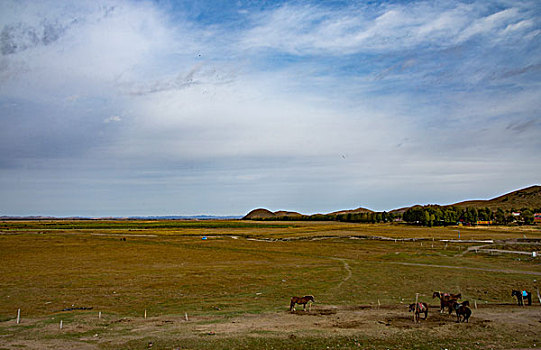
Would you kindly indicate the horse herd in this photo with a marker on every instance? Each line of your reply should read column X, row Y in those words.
column 448, row 301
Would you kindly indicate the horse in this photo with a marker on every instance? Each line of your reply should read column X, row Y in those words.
column 447, row 295
column 455, row 305
column 301, row 300
column 419, row 308
column 464, row 311
column 446, row 299
column 521, row 295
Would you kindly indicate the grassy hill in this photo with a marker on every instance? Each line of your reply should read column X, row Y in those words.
column 529, row 197
column 265, row 214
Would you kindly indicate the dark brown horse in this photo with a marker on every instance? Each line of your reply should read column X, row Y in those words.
column 456, row 306
column 417, row 309
column 521, row 295
column 462, row 311
column 301, row 300
column 446, row 300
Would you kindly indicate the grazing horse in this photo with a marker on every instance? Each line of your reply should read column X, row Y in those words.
column 301, row 300
column 446, row 300
column 521, row 295
column 419, row 308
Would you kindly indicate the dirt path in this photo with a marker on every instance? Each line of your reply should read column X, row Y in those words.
column 473, row 249
column 482, row 248
column 346, row 267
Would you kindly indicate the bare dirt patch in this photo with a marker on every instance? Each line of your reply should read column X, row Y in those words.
column 382, row 324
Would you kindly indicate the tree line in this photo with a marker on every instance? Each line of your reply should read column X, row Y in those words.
column 428, row 215
column 435, row 215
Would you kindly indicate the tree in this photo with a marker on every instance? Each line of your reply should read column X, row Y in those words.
column 527, row 217
column 499, row 217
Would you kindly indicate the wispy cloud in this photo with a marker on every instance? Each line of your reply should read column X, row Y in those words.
column 311, row 29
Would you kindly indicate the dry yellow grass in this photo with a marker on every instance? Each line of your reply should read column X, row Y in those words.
column 237, row 270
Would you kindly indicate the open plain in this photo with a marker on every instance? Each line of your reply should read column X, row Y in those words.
column 227, row 284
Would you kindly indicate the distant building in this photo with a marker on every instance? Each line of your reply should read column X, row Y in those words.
column 483, row 222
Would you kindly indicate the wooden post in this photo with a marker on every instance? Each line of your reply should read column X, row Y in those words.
column 475, row 303
column 379, row 304
column 145, row 314
column 186, row 316
column 60, row 324
column 416, row 306
column 99, row 315
column 18, row 316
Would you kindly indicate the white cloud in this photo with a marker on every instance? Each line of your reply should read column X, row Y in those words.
column 112, row 119
column 100, row 45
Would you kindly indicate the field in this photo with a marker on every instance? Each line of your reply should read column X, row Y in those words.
column 232, row 289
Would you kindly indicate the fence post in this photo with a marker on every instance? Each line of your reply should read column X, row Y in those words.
column 186, row 316
column 416, row 306
column 18, row 316
column 60, row 324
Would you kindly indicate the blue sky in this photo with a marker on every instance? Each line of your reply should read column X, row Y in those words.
column 217, row 107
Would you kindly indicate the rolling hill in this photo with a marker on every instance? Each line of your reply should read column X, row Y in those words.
column 529, row 197
column 265, row 214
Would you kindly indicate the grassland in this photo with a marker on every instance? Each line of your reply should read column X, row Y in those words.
column 236, row 284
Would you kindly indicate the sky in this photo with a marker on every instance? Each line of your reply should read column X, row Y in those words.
column 119, row 108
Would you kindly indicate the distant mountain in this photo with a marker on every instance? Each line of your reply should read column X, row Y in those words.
column 529, row 197
column 265, row 214
column 165, row 217
column 186, row 217
column 352, row 211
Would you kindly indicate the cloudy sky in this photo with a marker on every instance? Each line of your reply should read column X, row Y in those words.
column 217, row 107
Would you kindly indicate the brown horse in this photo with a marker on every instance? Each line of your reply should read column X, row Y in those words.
column 464, row 311
column 446, row 299
column 301, row 300
column 455, row 306
column 418, row 308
